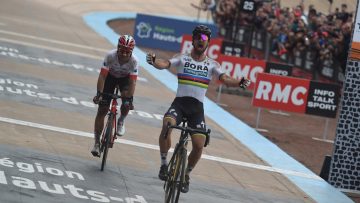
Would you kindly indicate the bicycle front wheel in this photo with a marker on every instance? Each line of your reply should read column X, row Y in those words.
column 181, row 179
column 172, row 183
column 108, row 132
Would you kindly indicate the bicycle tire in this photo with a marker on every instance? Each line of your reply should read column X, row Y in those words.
column 171, row 182
column 183, row 156
column 108, row 132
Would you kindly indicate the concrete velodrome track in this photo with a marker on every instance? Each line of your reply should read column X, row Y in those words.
column 50, row 54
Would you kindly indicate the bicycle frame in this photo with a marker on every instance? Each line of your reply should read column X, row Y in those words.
column 113, row 111
column 109, row 133
column 112, row 114
column 177, row 163
column 176, row 168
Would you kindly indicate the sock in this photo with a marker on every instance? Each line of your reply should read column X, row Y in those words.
column 121, row 120
column 163, row 157
column 189, row 169
column 124, row 109
column 97, row 137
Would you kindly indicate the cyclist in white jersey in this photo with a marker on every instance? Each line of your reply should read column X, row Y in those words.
column 194, row 72
column 120, row 68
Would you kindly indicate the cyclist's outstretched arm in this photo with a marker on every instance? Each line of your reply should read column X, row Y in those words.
column 100, row 84
column 132, row 84
column 231, row 82
column 157, row 62
column 101, row 79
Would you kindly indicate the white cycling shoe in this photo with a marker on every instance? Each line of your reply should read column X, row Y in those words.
column 96, row 150
column 120, row 129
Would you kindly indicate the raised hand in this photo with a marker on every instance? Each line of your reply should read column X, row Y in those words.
column 150, row 58
column 244, row 83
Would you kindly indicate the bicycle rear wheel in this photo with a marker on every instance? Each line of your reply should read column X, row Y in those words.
column 108, row 132
column 172, row 183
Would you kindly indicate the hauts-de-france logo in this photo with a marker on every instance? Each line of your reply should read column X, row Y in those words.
column 143, row 30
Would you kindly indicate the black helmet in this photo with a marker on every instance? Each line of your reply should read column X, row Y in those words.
column 202, row 29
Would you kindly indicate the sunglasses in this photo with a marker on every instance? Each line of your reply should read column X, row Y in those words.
column 202, row 37
column 124, row 51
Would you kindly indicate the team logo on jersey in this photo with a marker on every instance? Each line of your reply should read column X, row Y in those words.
column 143, row 30
column 187, row 59
column 194, row 69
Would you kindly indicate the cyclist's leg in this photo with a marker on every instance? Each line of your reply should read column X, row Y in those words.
column 172, row 117
column 103, row 108
column 196, row 120
column 99, row 121
column 126, row 104
column 98, row 127
column 198, row 142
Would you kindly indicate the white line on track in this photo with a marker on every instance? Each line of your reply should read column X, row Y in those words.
column 155, row 147
column 52, row 41
column 323, row 140
column 51, row 48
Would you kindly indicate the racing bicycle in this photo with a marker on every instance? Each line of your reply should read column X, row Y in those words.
column 177, row 164
column 108, row 135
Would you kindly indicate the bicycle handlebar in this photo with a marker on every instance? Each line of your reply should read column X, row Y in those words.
column 191, row 130
column 113, row 96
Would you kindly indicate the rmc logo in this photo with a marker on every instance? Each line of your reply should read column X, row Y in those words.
column 237, row 67
column 281, row 92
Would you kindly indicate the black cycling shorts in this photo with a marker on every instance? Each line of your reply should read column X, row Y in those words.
column 109, row 86
column 189, row 108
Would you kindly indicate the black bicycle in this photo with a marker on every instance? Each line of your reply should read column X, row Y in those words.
column 177, row 164
column 108, row 135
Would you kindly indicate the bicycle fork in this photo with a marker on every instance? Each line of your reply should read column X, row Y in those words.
column 183, row 154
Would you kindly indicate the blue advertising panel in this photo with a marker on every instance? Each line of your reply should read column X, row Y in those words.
column 163, row 33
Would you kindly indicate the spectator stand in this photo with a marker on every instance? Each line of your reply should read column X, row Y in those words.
column 314, row 44
column 207, row 6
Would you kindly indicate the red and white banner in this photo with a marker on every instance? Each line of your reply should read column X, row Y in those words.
column 279, row 92
column 237, row 67
column 213, row 51
column 296, row 95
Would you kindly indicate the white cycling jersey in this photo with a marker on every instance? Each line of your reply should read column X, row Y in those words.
column 194, row 76
column 118, row 71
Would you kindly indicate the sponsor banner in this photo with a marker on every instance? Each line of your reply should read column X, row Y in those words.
column 213, row 51
column 278, row 69
column 280, row 92
column 304, row 59
column 323, row 99
column 329, row 68
column 259, row 40
column 231, row 48
column 298, row 59
column 354, row 53
column 296, row 95
column 163, row 33
column 243, row 35
column 237, row 67
column 309, row 60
